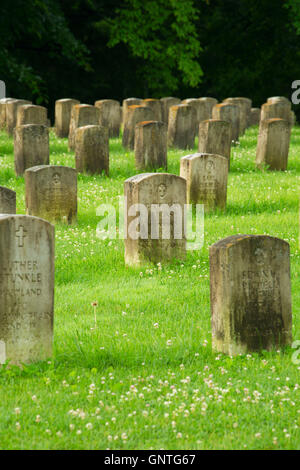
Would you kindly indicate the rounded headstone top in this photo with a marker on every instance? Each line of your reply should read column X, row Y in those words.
column 142, row 176
column 234, row 240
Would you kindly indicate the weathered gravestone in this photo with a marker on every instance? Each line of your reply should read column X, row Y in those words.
column 126, row 103
column 206, row 179
column 7, row 201
column 231, row 113
column 276, row 109
column 82, row 115
column 250, row 294
column 244, row 105
column 181, row 127
column 154, row 218
column 11, row 114
column 92, row 150
column 51, row 193
column 277, row 99
column 273, row 144
column 215, row 137
column 209, row 104
column 110, row 116
column 3, row 102
column 63, row 109
column 201, row 109
column 150, row 147
column 26, row 288
column 31, row 147
column 155, row 105
column 166, row 104
column 32, row 114
column 134, row 115
column 254, row 118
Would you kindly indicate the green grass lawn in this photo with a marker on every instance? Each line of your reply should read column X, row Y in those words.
column 146, row 377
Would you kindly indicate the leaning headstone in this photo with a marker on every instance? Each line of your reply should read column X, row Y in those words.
column 32, row 114
column 63, row 109
column 11, row 114
column 134, row 115
column 206, row 179
column 273, row 144
column 3, row 102
column 26, row 288
column 155, row 105
column 244, row 105
column 110, row 116
column 215, row 137
column 150, row 145
column 126, row 103
column 82, row 115
column 7, row 201
column 231, row 113
column 254, row 117
column 92, row 150
column 154, row 218
column 166, row 104
column 250, row 292
column 31, row 147
column 51, row 193
column 181, row 127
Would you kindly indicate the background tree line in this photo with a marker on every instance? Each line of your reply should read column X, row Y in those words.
column 96, row 49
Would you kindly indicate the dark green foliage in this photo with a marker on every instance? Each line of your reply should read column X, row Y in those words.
column 95, row 49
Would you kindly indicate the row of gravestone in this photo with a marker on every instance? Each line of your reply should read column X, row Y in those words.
column 250, row 291
column 148, row 190
column 148, row 137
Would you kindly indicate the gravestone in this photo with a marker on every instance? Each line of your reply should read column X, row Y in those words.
column 7, row 201
column 206, row 179
column 92, row 150
column 110, row 116
column 134, row 115
column 244, row 105
column 155, row 105
column 126, row 103
column 31, row 147
column 250, row 294
column 277, row 99
column 201, row 109
column 154, row 218
column 215, row 137
column 63, row 109
column 166, row 104
column 293, row 118
column 181, row 127
column 26, row 288
column 3, row 102
column 231, row 113
column 276, row 109
column 273, row 144
column 11, row 114
column 209, row 104
column 254, row 117
column 32, row 114
column 82, row 115
column 51, row 193
column 150, row 147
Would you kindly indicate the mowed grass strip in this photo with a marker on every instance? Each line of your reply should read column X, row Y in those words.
column 137, row 370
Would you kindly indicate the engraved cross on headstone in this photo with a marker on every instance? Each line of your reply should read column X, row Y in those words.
column 20, row 234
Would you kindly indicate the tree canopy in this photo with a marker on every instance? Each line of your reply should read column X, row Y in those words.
column 94, row 49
